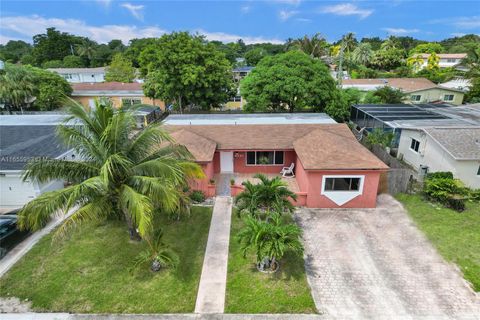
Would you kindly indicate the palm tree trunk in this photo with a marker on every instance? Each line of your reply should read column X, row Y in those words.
column 132, row 230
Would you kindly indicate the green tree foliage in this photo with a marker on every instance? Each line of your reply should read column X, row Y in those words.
column 473, row 94
column 388, row 57
column 50, row 89
column 375, row 42
column 339, row 108
column 253, row 57
column 53, row 45
column 363, row 54
column 122, row 174
column 86, row 49
column 16, row 87
column 386, row 95
column 52, row 64
column 270, row 240
column 349, row 42
column 315, row 46
column 437, row 75
column 135, row 48
column 187, row 70
column 289, row 81
column 430, row 47
column 14, row 50
column 73, row 62
column 158, row 254
column 458, row 44
column 265, row 196
column 380, row 138
column 120, row 69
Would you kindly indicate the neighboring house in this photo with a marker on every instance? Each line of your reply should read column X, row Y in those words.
column 396, row 117
column 80, row 75
column 332, row 169
column 237, row 102
column 418, row 90
column 119, row 93
column 458, row 83
column 25, row 138
column 443, row 149
column 446, row 60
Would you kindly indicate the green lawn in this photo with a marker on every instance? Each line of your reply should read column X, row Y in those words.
column 456, row 235
column 249, row 291
column 90, row 271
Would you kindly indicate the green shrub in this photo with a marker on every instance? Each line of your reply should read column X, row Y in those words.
column 440, row 174
column 197, row 196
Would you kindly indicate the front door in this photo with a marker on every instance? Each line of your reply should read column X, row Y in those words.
column 226, row 161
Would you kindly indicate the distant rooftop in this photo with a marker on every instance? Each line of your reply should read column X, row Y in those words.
column 78, row 70
column 47, row 119
column 461, row 143
column 249, row 118
column 243, row 69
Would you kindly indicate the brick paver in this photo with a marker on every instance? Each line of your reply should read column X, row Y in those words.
column 375, row 264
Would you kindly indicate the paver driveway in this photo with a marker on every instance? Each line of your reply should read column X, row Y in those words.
column 375, row 264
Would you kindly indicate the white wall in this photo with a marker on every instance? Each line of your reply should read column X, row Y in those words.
column 436, row 158
column 84, row 77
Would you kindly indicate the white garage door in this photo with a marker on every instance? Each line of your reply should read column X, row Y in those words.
column 14, row 193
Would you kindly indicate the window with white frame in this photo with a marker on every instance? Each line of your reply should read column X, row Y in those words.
column 415, row 97
column 478, row 171
column 259, row 158
column 450, row 60
column 342, row 184
column 415, row 145
column 68, row 76
column 448, row 97
column 131, row 101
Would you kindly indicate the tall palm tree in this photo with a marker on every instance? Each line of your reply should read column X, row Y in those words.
column 122, row 173
column 315, row 47
column 86, row 49
column 270, row 240
column 363, row 54
column 390, row 43
column 349, row 42
column 267, row 195
column 16, row 86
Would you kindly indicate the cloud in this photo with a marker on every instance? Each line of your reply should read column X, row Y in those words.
column 284, row 15
column 135, row 10
column 459, row 22
column 25, row 27
column 457, row 34
column 346, row 9
column 400, row 31
column 245, row 9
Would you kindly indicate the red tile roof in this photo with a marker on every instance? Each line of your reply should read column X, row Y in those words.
column 107, row 86
column 319, row 146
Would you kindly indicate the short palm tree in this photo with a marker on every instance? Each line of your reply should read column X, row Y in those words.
column 349, row 42
column 267, row 195
column 158, row 254
column 270, row 240
column 86, row 49
column 121, row 172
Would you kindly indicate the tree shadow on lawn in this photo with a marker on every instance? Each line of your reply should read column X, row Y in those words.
column 291, row 268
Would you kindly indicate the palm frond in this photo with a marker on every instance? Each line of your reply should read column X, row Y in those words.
column 148, row 141
column 138, row 207
column 116, row 165
column 55, row 169
column 95, row 211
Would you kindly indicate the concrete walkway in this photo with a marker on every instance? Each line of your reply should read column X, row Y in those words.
column 213, row 282
column 23, row 247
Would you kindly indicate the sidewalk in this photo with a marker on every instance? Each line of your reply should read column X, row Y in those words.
column 213, row 282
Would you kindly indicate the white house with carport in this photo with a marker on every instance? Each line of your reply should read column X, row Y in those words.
column 443, row 149
column 25, row 138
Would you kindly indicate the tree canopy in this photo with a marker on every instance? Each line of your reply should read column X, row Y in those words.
column 186, row 70
column 120, row 69
column 288, row 81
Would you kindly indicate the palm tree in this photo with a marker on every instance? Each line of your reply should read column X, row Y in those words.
column 267, row 195
column 122, row 173
column 415, row 62
column 158, row 254
column 16, row 87
column 86, row 49
column 349, row 41
column 315, row 47
column 270, row 240
column 363, row 54
column 390, row 43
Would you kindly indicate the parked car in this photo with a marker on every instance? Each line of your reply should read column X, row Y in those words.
column 10, row 235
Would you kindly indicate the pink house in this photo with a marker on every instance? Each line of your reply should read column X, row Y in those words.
column 331, row 169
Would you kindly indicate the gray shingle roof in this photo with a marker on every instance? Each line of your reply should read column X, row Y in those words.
column 461, row 143
column 19, row 144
